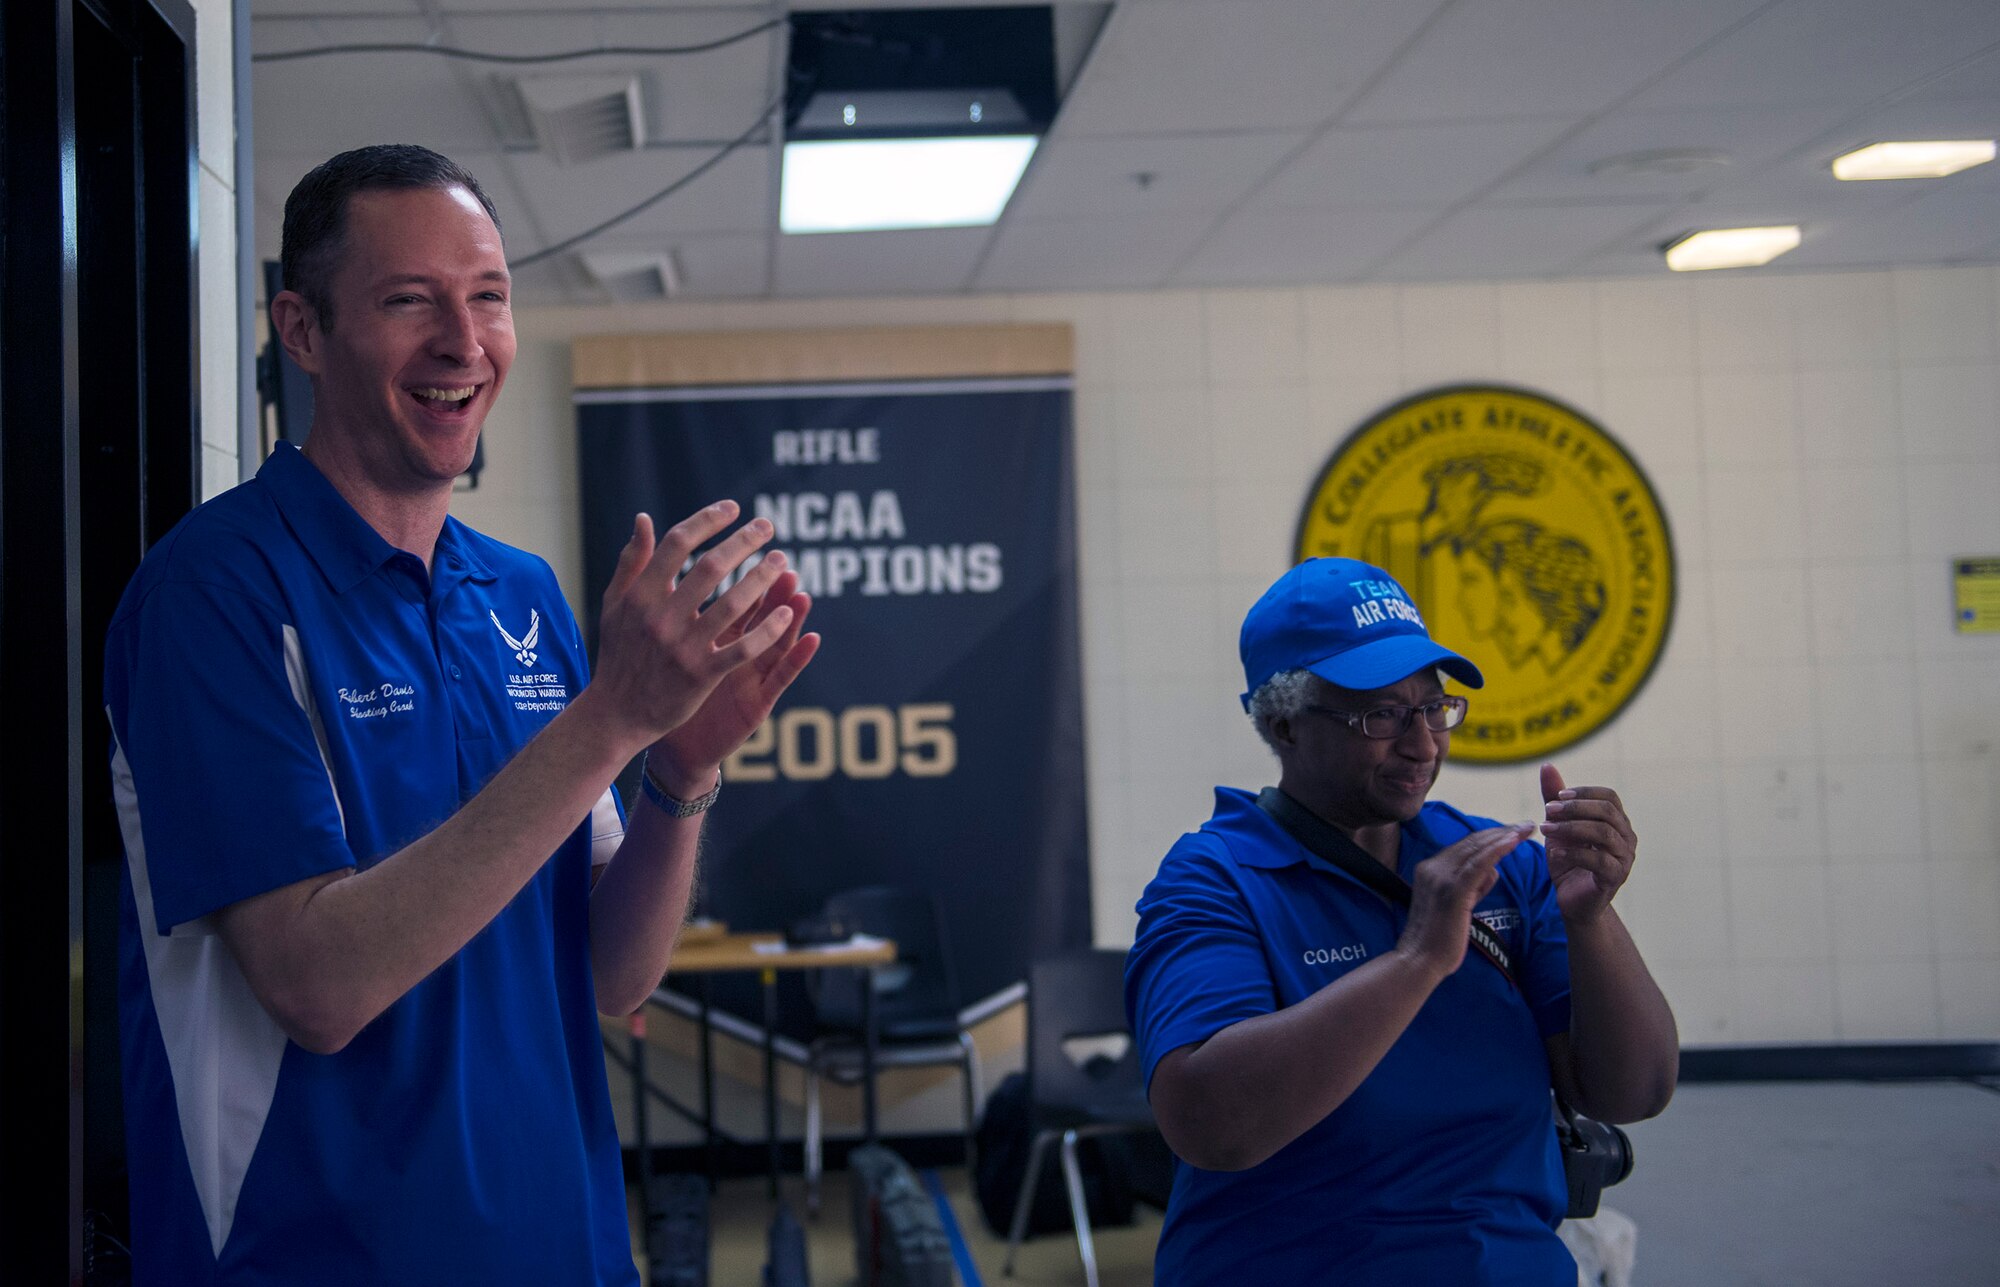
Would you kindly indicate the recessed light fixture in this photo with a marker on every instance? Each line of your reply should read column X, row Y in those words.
column 854, row 186
column 1730, row 247
column 907, row 118
column 1914, row 159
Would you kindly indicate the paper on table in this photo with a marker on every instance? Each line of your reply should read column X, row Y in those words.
column 776, row 946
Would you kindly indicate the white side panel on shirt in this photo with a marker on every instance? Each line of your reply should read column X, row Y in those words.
column 607, row 831
column 223, row 1048
column 295, row 670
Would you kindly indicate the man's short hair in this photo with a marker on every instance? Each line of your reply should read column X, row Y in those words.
column 316, row 212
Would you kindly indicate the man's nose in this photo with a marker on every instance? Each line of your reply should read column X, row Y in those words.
column 457, row 336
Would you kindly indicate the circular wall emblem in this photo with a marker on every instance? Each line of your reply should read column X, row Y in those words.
column 1529, row 540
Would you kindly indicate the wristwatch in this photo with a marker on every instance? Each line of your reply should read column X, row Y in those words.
column 666, row 801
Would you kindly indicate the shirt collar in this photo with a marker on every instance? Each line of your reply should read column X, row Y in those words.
column 341, row 542
column 457, row 557
column 1254, row 838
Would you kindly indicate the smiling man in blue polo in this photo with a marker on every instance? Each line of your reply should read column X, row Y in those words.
column 1354, row 1097
column 378, row 887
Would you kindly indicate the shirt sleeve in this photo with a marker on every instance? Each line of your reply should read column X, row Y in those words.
column 1544, row 965
column 1197, row 964
column 224, row 785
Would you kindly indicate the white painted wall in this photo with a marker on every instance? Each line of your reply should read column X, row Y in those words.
column 1814, row 767
column 215, row 113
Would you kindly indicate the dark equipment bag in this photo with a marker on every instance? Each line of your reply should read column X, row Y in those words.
column 1005, row 1138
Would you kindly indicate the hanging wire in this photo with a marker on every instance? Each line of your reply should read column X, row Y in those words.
column 474, row 55
column 549, row 252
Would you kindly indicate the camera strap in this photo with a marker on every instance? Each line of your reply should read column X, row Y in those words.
column 1336, row 847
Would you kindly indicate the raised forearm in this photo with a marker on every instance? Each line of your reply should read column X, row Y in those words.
column 640, row 903
column 1237, row 1098
column 325, row 957
column 1624, row 1046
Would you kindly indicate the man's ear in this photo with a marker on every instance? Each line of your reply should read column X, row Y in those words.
column 1280, row 727
column 296, row 324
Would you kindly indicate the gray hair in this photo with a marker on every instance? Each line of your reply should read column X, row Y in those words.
column 1282, row 696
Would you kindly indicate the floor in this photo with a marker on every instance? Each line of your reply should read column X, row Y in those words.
column 740, row 1217
column 1807, row 1184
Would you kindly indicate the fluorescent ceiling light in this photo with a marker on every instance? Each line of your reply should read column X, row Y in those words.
column 1913, row 160
column 855, row 185
column 1731, row 247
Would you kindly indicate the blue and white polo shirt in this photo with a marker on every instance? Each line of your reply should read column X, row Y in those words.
column 290, row 695
column 1442, row 1166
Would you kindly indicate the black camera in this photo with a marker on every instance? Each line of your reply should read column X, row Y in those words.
column 1595, row 1156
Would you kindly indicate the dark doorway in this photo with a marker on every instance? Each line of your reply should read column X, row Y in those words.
column 99, row 456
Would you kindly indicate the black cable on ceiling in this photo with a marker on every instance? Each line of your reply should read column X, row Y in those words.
column 474, row 55
column 549, row 252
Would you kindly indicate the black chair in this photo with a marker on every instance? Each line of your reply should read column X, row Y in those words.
column 916, row 1008
column 1083, row 1077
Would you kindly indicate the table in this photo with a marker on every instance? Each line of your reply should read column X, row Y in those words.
column 716, row 951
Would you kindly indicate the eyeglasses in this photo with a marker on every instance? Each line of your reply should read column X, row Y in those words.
column 1387, row 722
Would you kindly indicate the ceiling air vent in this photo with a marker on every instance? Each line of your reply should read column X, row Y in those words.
column 579, row 118
column 631, row 276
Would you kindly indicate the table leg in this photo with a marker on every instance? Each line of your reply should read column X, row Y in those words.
column 868, row 1053
column 637, row 1026
column 707, row 1087
column 770, row 980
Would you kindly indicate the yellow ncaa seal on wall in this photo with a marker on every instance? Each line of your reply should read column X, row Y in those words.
column 1531, row 543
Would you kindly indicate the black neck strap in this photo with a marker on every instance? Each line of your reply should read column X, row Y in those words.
column 1334, row 845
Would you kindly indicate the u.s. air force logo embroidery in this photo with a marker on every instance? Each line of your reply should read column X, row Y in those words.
column 524, row 647
column 529, row 689
column 1531, row 543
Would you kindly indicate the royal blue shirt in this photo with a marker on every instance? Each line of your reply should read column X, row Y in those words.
column 289, row 696
column 1442, row 1166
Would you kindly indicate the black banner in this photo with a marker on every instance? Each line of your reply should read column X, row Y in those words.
column 936, row 741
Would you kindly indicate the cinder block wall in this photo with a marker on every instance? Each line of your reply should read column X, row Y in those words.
column 1814, row 766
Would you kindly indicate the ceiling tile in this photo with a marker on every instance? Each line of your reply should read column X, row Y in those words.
column 334, row 9
column 1828, row 51
column 714, row 95
column 1752, row 138
column 1302, row 245
column 1410, row 164
column 928, row 260
column 1510, row 241
column 1191, row 173
column 1083, row 254
column 1184, row 65
column 724, row 267
column 1937, row 228
column 734, row 196
column 1977, row 77
column 1505, row 58
column 327, row 105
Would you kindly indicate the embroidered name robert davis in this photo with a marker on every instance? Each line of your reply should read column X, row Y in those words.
column 390, row 697
column 531, row 690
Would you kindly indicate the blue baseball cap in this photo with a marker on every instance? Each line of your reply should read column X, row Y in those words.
column 1347, row 622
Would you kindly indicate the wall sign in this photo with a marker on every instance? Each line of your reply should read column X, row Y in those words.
column 920, row 483
column 1976, row 595
column 1530, row 541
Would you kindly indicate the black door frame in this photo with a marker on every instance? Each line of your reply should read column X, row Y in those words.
column 100, row 452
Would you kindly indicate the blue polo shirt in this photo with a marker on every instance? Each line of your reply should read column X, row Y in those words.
column 1442, row 1166
column 289, row 695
